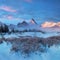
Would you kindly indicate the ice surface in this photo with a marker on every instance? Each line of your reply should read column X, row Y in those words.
column 53, row 53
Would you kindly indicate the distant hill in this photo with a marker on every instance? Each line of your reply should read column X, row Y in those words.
column 24, row 23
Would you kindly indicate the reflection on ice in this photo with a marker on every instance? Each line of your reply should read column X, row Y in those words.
column 50, row 53
column 53, row 53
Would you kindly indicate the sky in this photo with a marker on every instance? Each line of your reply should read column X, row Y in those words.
column 12, row 11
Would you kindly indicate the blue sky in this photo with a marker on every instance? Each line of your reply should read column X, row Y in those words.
column 19, row 10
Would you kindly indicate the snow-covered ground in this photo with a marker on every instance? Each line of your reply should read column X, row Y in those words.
column 37, row 34
column 52, row 53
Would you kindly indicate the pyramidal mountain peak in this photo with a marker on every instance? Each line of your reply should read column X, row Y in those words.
column 32, row 21
column 24, row 23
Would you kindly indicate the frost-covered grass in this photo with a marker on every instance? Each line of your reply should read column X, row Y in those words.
column 38, row 46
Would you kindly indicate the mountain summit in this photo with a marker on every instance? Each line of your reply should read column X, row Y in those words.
column 33, row 21
column 24, row 23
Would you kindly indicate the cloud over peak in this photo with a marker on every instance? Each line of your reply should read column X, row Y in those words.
column 50, row 24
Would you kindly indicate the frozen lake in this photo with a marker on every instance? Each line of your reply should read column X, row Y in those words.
column 52, row 53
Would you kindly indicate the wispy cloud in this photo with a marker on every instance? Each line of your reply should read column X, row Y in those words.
column 7, row 8
column 48, row 24
column 11, row 17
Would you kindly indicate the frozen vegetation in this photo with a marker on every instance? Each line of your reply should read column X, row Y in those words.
column 28, row 45
column 23, row 42
column 51, row 53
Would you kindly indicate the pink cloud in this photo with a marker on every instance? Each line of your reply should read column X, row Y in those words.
column 11, row 17
column 29, row 1
column 50, row 24
column 7, row 8
column 8, row 17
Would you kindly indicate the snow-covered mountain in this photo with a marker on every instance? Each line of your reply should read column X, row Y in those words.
column 33, row 22
column 32, row 25
column 28, row 25
column 24, row 23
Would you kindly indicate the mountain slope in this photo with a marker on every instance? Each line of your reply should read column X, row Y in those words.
column 24, row 23
column 33, row 21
